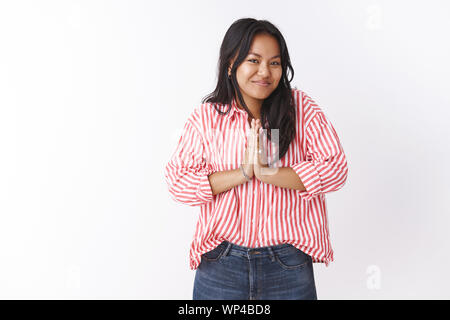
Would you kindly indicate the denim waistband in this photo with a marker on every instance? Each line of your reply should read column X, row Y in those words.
column 231, row 248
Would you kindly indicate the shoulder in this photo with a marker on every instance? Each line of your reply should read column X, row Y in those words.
column 204, row 113
column 305, row 104
column 209, row 108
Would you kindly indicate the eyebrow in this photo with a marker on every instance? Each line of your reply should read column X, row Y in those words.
column 261, row 56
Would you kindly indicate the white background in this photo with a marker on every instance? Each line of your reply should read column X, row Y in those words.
column 93, row 97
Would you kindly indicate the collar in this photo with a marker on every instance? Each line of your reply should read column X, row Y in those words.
column 235, row 109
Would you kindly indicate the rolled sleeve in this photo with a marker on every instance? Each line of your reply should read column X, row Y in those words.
column 204, row 190
column 187, row 172
column 309, row 177
column 326, row 167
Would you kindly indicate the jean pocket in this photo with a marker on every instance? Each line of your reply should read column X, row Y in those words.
column 215, row 254
column 292, row 258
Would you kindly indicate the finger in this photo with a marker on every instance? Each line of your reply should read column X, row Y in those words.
column 251, row 142
column 255, row 153
column 251, row 129
column 257, row 140
column 255, row 144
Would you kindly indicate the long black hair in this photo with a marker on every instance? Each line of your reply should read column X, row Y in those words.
column 277, row 110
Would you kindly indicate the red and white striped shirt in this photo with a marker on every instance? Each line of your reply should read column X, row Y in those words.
column 256, row 214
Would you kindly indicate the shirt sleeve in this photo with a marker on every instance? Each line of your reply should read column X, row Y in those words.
column 187, row 172
column 325, row 169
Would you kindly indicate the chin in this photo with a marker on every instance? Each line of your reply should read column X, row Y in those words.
column 263, row 94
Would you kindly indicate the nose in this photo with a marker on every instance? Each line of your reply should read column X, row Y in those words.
column 263, row 70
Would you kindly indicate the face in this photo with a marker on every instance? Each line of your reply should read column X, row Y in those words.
column 259, row 74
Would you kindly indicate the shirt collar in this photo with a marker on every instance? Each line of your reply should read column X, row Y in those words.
column 234, row 108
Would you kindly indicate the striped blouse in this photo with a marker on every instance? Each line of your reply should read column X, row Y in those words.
column 256, row 214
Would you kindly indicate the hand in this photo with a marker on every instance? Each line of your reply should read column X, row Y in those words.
column 261, row 169
column 249, row 156
column 260, row 160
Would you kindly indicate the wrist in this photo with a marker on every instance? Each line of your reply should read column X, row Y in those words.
column 268, row 174
column 246, row 177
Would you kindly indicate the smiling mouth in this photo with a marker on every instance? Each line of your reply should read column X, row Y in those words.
column 262, row 84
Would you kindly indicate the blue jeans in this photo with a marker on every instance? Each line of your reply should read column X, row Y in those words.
column 232, row 272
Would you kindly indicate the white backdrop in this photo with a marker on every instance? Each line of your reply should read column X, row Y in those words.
column 93, row 97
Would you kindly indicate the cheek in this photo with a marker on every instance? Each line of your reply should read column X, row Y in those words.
column 277, row 74
column 245, row 72
column 277, row 77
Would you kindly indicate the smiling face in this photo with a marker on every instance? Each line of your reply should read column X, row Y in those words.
column 259, row 74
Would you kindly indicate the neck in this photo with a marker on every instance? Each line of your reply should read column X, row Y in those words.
column 254, row 107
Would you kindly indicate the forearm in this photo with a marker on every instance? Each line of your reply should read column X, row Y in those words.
column 284, row 177
column 225, row 180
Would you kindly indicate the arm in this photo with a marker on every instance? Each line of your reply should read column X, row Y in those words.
column 325, row 169
column 187, row 172
column 225, row 180
column 191, row 179
column 285, row 177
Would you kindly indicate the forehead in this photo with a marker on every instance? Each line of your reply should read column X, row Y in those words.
column 265, row 46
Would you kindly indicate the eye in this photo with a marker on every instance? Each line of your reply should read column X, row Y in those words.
column 276, row 62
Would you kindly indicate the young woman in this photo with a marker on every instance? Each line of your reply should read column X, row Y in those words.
column 257, row 157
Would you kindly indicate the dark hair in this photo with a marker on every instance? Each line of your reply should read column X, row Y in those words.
column 277, row 110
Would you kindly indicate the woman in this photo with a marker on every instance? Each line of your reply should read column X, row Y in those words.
column 257, row 157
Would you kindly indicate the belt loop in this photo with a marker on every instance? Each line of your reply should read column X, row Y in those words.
column 272, row 255
column 229, row 244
